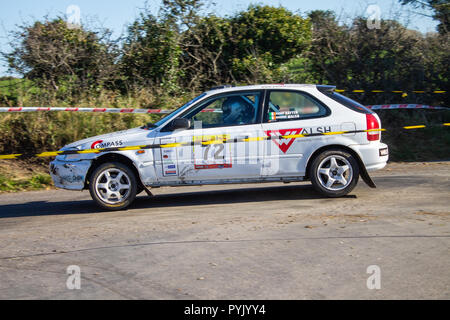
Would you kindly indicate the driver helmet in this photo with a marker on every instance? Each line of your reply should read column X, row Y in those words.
column 235, row 110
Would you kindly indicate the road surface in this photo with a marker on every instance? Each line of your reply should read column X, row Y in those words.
column 264, row 241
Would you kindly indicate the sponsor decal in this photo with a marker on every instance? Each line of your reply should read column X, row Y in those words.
column 169, row 159
column 316, row 130
column 274, row 116
column 94, row 145
column 100, row 144
column 284, row 144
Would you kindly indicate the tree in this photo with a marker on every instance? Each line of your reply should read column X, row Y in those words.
column 262, row 38
column 150, row 54
column 390, row 58
column 51, row 53
column 154, row 45
column 204, row 48
column 440, row 8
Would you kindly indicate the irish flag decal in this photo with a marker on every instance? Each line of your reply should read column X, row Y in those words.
column 283, row 144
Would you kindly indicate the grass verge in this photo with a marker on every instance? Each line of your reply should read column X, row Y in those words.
column 36, row 182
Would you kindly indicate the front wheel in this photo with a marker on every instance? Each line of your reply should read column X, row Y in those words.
column 334, row 173
column 113, row 186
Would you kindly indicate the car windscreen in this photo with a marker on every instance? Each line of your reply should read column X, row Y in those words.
column 177, row 111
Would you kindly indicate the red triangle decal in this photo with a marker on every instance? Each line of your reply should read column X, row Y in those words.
column 282, row 143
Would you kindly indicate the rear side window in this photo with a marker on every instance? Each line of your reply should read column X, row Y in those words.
column 349, row 103
column 293, row 105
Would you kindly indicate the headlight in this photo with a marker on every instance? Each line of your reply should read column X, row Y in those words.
column 70, row 157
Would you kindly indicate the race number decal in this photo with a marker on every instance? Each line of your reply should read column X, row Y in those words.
column 211, row 153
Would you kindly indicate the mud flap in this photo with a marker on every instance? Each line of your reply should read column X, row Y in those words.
column 147, row 190
column 366, row 178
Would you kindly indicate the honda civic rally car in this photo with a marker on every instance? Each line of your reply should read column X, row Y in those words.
column 246, row 134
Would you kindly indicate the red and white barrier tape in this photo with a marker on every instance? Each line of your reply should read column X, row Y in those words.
column 98, row 110
column 161, row 111
column 402, row 106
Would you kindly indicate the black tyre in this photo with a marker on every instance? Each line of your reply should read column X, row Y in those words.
column 113, row 186
column 334, row 173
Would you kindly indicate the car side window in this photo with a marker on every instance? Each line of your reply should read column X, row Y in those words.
column 227, row 110
column 290, row 105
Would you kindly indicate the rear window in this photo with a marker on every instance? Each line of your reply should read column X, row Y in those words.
column 349, row 103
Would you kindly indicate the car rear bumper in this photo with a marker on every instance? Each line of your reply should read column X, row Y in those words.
column 69, row 175
column 373, row 155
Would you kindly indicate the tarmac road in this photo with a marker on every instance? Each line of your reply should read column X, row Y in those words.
column 265, row 241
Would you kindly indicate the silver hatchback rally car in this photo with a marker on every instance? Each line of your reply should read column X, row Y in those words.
column 246, row 134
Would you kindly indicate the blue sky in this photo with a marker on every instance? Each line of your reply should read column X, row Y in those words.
column 115, row 15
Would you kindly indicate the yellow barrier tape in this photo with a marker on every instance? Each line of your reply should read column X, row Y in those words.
column 49, row 154
column 294, row 136
column 414, row 127
column 374, row 130
column 9, row 156
column 214, row 140
column 333, row 133
column 394, row 91
column 211, row 137
column 171, row 145
column 89, row 151
column 254, row 139
column 130, row 148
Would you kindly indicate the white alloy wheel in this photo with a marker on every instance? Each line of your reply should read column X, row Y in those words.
column 335, row 173
column 113, row 185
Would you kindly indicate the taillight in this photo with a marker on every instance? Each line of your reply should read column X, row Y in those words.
column 372, row 123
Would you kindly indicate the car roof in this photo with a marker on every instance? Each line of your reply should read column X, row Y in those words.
column 260, row 87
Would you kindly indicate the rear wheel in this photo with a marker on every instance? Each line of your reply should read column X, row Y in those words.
column 334, row 173
column 113, row 186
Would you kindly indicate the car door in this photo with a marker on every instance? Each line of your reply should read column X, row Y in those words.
column 290, row 113
column 213, row 149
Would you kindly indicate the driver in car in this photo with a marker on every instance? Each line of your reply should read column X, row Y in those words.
column 237, row 111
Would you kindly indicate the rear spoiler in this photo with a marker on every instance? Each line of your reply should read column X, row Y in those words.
column 325, row 88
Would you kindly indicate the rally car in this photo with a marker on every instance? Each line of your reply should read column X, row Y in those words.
column 245, row 134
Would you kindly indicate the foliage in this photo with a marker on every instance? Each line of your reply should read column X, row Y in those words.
column 151, row 53
column 440, row 8
column 68, row 60
column 37, row 181
column 166, row 59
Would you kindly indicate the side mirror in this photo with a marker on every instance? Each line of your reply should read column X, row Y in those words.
column 180, row 124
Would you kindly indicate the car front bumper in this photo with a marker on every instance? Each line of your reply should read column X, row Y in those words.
column 69, row 175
